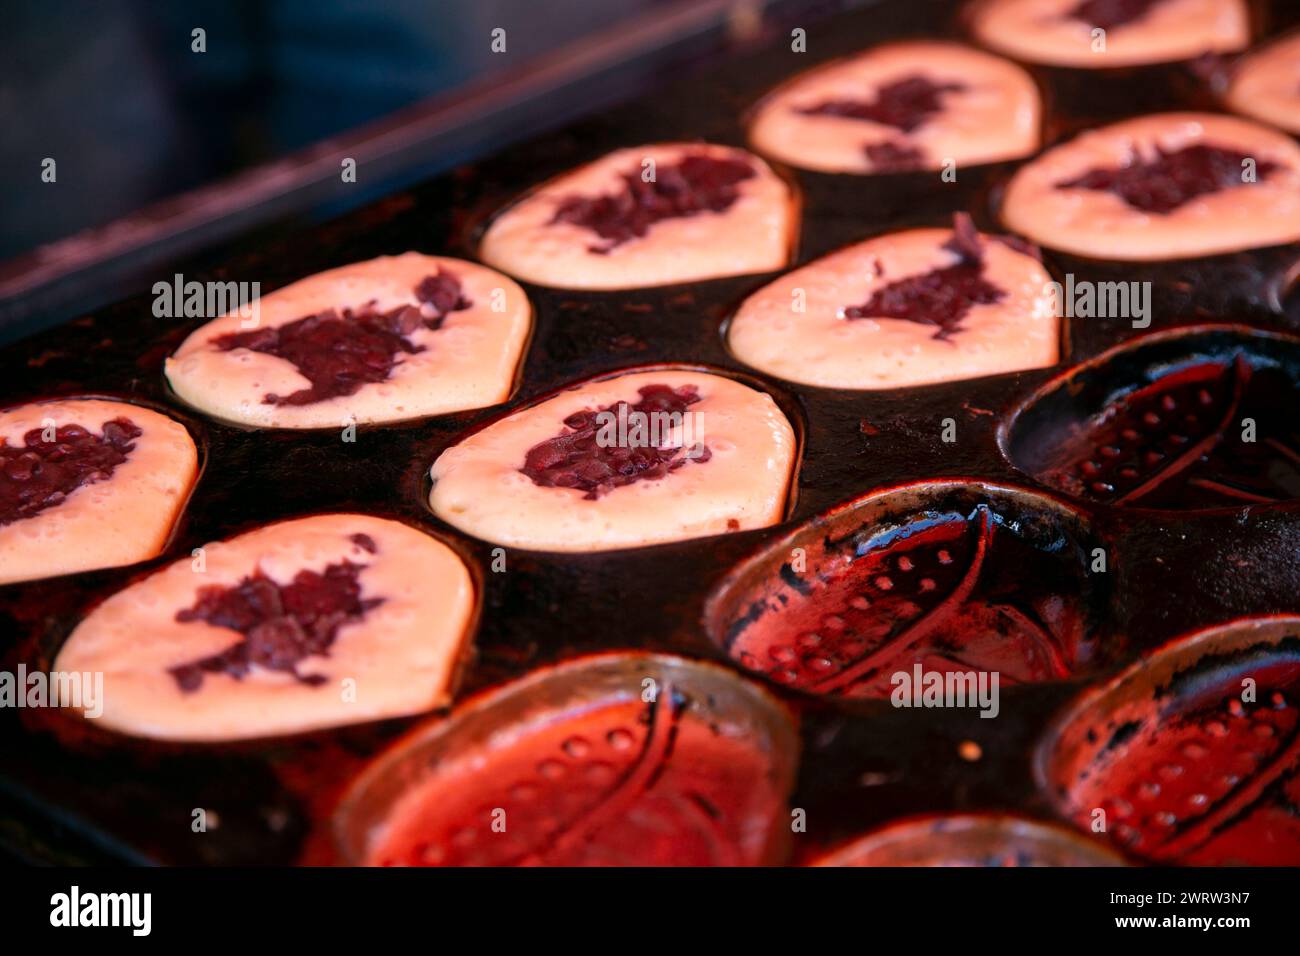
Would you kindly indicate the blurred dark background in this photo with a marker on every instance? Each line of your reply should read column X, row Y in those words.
column 165, row 152
column 115, row 93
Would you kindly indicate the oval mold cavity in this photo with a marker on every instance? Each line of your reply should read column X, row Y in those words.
column 1194, row 420
column 952, row 576
column 1191, row 755
column 978, row 840
column 625, row 759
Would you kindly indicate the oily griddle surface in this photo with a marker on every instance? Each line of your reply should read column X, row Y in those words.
column 862, row 764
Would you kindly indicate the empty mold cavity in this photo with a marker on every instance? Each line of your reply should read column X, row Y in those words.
column 953, row 576
column 1194, row 420
column 971, row 840
column 614, row 759
column 1192, row 755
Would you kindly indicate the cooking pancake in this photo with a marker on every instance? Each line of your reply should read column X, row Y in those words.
column 900, row 107
column 907, row 308
column 88, row 483
column 393, row 338
column 712, row 456
column 1099, row 34
column 648, row 216
column 1265, row 85
column 315, row 622
column 1168, row 186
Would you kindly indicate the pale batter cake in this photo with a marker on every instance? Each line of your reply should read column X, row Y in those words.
column 562, row 476
column 87, row 483
column 1168, row 186
column 899, row 107
column 1265, row 85
column 906, row 308
column 315, row 622
column 648, row 216
column 1099, row 34
column 394, row 338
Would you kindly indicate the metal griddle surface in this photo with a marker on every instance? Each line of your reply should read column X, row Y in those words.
column 862, row 763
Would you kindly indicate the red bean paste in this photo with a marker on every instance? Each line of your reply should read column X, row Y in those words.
column 940, row 297
column 1171, row 179
column 695, row 184
column 577, row 458
column 340, row 351
column 1109, row 14
column 894, row 157
column 281, row 624
column 40, row 474
column 905, row 104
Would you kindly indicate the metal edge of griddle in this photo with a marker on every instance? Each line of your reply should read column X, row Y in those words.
column 57, row 281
